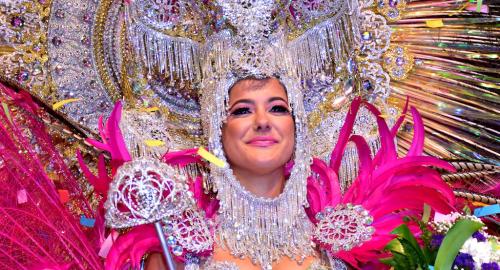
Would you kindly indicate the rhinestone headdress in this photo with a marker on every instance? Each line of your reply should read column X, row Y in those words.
column 183, row 56
column 255, row 45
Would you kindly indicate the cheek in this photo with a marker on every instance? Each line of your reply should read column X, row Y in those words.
column 232, row 132
column 288, row 132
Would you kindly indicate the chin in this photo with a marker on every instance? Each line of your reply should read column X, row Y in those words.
column 265, row 164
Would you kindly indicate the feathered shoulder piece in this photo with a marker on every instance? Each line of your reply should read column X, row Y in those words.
column 355, row 226
column 187, row 232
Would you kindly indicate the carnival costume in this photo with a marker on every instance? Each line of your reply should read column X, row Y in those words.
column 173, row 63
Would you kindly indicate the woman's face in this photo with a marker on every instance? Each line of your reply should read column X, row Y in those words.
column 259, row 134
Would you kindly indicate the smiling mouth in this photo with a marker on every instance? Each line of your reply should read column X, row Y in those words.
column 262, row 142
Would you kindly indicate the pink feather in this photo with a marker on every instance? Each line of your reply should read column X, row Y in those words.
column 387, row 186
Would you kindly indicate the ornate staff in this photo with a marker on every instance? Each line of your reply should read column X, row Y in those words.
column 146, row 191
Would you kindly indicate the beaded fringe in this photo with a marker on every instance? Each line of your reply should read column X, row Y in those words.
column 316, row 48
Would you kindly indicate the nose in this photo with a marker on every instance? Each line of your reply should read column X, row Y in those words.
column 262, row 120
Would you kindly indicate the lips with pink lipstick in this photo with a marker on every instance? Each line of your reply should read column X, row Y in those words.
column 262, row 141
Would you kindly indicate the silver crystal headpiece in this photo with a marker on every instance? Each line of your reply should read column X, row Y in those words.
column 145, row 191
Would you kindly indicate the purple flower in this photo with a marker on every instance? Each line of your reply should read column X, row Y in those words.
column 479, row 236
column 464, row 261
column 436, row 240
column 490, row 266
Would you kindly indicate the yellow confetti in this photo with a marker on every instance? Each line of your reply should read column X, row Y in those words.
column 151, row 109
column 154, row 143
column 7, row 112
column 436, row 23
column 61, row 103
column 210, row 157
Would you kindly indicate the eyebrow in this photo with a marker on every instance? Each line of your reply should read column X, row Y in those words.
column 249, row 101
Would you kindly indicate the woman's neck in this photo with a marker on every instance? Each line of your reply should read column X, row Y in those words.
column 269, row 185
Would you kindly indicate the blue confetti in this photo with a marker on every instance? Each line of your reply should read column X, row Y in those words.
column 87, row 222
column 487, row 210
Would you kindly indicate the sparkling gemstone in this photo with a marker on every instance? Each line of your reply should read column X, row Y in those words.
column 419, row 62
column 58, row 69
column 381, row 4
column 399, row 50
column 320, row 216
column 87, row 17
column 351, row 66
column 393, row 14
column 60, row 14
column 398, row 72
column 85, row 40
column 17, row 21
column 368, row 220
column 393, row 3
column 136, row 87
column 22, row 76
column 169, row 227
column 348, row 86
column 366, row 36
column 366, row 237
column 37, row 47
column 177, row 250
column 400, row 61
column 367, row 85
column 171, row 240
column 86, row 62
column 37, row 69
column 56, row 41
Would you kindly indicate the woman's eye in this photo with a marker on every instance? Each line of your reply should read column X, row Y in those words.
column 279, row 109
column 240, row 111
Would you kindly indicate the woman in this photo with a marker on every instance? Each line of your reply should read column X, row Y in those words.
column 258, row 137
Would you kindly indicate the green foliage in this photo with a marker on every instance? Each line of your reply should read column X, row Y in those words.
column 453, row 241
column 406, row 252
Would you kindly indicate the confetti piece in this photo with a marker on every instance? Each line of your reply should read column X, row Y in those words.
column 87, row 222
column 22, row 197
column 108, row 243
column 63, row 195
column 479, row 204
column 487, row 210
column 154, row 143
column 427, row 213
column 210, row 157
column 151, row 109
column 61, row 103
column 7, row 112
column 436, row 23
column 477, row 8
column 479, row 5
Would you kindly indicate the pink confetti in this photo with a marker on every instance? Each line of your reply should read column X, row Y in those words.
column 106, row 245
column 473, row 7
column 22, row 197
